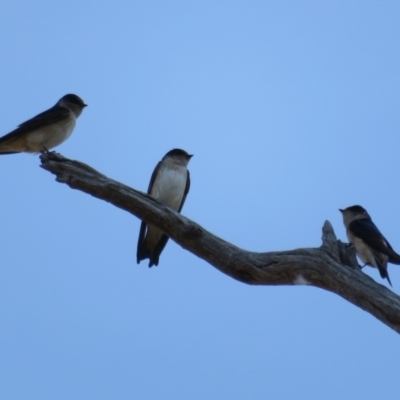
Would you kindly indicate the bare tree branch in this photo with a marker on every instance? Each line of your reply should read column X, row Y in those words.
column 333, row 266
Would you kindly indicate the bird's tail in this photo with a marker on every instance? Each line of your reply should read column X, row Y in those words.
column 385, row 274
column 142, row 252
column 394, row 258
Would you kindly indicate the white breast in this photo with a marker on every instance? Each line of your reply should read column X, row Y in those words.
column 169, row 186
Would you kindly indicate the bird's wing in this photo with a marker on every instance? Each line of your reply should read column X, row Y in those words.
column 153, row 177
column 142, row 251
column 369, row 233
column 50, row 116
column 186, row 191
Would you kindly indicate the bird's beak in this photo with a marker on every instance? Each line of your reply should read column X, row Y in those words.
column 341, row 210
column 85, row 105
column 191, row 155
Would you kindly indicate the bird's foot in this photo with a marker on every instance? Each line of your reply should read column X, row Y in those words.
column 45, row 150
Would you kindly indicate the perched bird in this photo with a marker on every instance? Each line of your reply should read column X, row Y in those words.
column 169, row 184
column 45, row 131
column 371, row 246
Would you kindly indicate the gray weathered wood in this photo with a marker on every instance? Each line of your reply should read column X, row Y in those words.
column 333, row 266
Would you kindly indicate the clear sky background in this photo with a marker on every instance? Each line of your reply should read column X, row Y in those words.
column 291, row 110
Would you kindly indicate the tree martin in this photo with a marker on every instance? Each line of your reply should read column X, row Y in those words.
column 46, row 130
column 371, row 246
column 169, row 184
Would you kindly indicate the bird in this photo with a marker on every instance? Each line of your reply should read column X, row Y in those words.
column 46, row 130
column 371, row 246
column 169, row 184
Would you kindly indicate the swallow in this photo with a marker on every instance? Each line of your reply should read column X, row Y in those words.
column 46, row 130
column 371, row 246
column 169, row 184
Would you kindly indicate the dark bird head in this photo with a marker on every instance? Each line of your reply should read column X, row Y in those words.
column 73, row 102
column 179, row 155
column 352, row 213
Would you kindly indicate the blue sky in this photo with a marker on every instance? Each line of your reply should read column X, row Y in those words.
column 291, row 112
